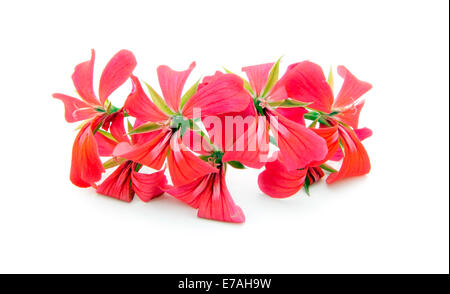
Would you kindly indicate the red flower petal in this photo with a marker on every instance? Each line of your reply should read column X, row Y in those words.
column 148, row 186
column 351, row 89
column 210, row 194
column 140, row 106
column 82, row 79
column 172, row 83
column 141, row 138
column 224, row 94
column 152, row 153
column 258, row 75
column 362, row 134
column 118, row 184
column 356, row 161
column 295, row 114
column 75, row 109
column 86, row 168
column 105, row 145
column 331, row 136
column 184, row 166
column 116, row 72
column 190, row 193
column 117, row 127
column 225, row 128
column 307, row 83
column 350, row 115
column 298, row 145
column 216, row 202
column 279, row 182
column 252, row 148
column 196, row 142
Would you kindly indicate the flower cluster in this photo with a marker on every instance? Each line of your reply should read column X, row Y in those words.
column 221, row 121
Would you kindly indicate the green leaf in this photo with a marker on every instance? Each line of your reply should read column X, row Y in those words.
column 145, row 128
column 273, row 77
column 236, row 164
column 311, row 115
column 328, row 168
column 289, row 103
column 306, row 186
column 247, row 85
column 331, row 79
column 107, row 135
column 115, row 161
column 129, row 126
column 189, row 93
column 158, row 100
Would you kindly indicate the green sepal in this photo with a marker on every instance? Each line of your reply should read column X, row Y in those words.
column 236, row 164
column 129, row 126
column 145, row 128
column 189, row 93
column 331, row 79
column 306, row 186
column 289, row 103
column 115, row 161
column 107, row 135
column 273, row 77
column 97, row 128
column 334, row 112
column 112, row 108
column 138, row 167
column 159, row 101
column 328, row 168
column 316, row 116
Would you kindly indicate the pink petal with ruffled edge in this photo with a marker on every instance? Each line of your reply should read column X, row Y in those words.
column 210, row 195
column 306, row 82
column 172, row 83
column 105, row 145
column 152, row 153
column 362, row 134
column 216, row 203
column 184, row 166
column 75, row 109
column 350, row 115
column 295, row 114
column 298, row 145
column 148, row 186
column 352, row 89
column 117, row 185
column 140, row 106
column 258, row 75
column 116, row 72
column 252, row 148
column 197, row 143
column 86, row 167
column 279, row 182
column 83, row 80
column 331, row 136
column 356, row 160
column 222, row 95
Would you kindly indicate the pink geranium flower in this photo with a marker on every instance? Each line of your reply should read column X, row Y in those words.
column 223, row 95
column 298, row 145
column 86, row 167
column 126, row 180
column 208, row 193
column 306, row 82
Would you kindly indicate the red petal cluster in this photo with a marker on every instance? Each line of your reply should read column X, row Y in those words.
column 223, row 121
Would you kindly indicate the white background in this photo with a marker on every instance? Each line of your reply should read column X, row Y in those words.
column 395, row 220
